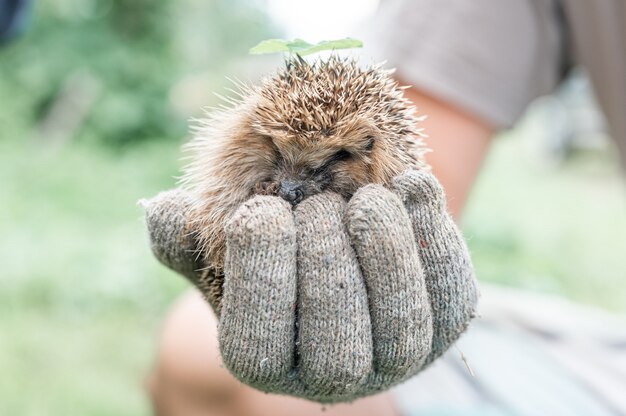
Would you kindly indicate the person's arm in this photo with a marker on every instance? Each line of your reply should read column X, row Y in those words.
column 459, row 142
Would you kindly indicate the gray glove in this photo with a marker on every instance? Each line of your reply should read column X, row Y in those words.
column 331, row 301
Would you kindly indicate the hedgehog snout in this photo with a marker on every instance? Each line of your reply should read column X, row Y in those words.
column 292, row 192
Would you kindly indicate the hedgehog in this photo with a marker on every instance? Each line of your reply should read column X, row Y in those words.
column 330, row 125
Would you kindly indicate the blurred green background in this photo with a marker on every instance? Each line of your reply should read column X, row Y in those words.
column 94, row 102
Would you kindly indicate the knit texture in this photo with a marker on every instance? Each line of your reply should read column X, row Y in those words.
column 332, row 300
column 175, row 244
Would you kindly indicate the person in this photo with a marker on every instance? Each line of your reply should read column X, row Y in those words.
column 474, row 67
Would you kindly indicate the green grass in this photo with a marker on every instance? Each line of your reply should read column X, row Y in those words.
column 80, row 294
column 554, row 229
column 81, row 297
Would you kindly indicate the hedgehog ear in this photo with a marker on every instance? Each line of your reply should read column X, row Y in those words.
column 369, row 142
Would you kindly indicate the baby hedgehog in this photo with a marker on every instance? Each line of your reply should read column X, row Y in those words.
column 325, row 126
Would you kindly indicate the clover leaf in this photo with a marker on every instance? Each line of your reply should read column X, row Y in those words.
column 301, row 47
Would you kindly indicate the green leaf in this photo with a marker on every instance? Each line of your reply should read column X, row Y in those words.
column 327, row 45
column 302, row 47
column 270, row 46
column 297, row 45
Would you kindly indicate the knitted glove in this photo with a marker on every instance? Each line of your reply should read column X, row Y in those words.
column 332, row 300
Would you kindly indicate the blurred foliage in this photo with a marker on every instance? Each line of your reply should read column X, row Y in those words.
column 81, row 296
column 557, row 230
column 133, row 50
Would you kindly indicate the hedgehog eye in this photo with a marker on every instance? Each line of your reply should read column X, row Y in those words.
column 369, row 144
column 342, row 154
column 339, row 156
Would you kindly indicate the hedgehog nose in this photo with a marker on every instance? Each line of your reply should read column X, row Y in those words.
column 291, row 192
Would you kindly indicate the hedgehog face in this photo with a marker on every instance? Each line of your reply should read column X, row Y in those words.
column 303, row 164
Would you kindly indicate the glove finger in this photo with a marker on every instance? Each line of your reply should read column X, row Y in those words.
column 257, row 324
column 172, row 243
column 450, row 278
column 334, row 344
column 401, row 318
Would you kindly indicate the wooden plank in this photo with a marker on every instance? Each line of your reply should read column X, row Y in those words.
column 439, row 387
column 511, row 368
column 551, row 315
column 592, row 370
column 531, row 355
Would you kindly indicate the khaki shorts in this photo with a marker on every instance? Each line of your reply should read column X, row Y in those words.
column 493, row 57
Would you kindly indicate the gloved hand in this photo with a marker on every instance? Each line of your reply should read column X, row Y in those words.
column 332, row 300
